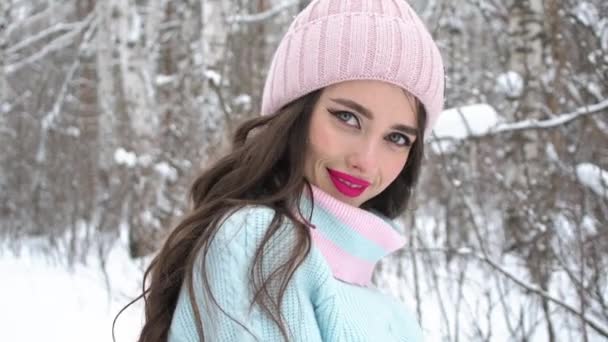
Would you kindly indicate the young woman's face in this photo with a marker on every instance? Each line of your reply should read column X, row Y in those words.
column 361, row 133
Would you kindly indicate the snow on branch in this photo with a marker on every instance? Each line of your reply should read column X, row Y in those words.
column 560, row 119
column 55, row 45
column 481, row 120
column 593, row 177
column 262, row 16
column 468, row 252
column 460, row 123
column 603, row 330
column 43, row 34
column 49, row 119
column 52, row 10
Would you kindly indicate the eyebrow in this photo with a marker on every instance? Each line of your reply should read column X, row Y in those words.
column 368, row 114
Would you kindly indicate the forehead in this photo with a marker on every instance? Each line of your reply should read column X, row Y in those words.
column 379, row 97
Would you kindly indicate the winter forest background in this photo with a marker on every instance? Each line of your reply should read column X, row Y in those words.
column 109, row 108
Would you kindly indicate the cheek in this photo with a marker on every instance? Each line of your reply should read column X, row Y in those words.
column 319, row 134
column 317, row 145
column 323, row 141
column 393, row 167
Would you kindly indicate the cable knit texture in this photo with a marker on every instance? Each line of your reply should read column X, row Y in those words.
column 330, row 297
column 332, row 41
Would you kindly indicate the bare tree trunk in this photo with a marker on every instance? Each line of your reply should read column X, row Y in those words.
column 107, row 95
column 88, row 118
column 137, row 74
column 7, row 134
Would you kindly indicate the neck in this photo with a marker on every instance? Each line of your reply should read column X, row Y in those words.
column 352, row 239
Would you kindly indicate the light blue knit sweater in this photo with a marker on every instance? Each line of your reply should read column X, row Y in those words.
column 322, row 301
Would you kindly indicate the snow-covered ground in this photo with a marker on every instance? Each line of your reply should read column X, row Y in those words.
column 42, row 300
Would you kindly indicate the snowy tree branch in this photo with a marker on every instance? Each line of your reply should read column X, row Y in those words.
column 262, row 16
column 43, row 34
column 600, row 125
column 499, row 128
column 560, row 119
column 597, row 327
column 528, row 287
column 51, row 116
column 55, row 45
column 52, row 10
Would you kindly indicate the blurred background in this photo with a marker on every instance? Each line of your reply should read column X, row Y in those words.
column 109, row 108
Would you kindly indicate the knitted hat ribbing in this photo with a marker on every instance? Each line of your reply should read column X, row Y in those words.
column 332, row 41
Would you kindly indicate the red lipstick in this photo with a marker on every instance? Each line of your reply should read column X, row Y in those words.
column 348, row 185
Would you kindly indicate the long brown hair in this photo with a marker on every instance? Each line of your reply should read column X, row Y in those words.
column 264, row 167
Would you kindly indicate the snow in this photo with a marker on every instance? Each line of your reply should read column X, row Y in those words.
column 587, row 13
column 453, row 23
column 593, row 87
column 198, row 58
column 135, row 28
column 464, row 250
column 124, row 157
column 213, row 76
column 460, row 123
column 79, row 303
column 73, row 131
column 167, row 171
column 5, row 107
column 593, row 177
column 242, row 100
column 590, row 225
column 130, row 159
column 148, row 218
column 22, row 12
column 482, row 298
column 145, row 160
column 44, row 300
column 603, row 33
column 552, row 153
column 162, row 80
column 510, row 84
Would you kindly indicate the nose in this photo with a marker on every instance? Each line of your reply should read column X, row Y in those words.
column 363, row 157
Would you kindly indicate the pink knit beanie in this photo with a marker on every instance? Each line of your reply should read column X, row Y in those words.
column 332, row 41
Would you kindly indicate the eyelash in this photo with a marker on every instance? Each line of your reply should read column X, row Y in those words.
column 406, row 140
column 336, row 113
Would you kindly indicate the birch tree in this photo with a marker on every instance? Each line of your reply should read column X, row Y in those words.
column 108, row 110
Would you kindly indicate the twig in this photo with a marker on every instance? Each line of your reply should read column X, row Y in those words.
column 550, row 123
column 55, row 45
column 51, row 10
column 75, row 26
column 528, row 287
column 262, row 16
column 558, row 120
column 49, row 119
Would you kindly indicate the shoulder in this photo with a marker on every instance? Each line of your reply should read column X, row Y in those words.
column 242, row 231
column 246, row 225
column 250, row 213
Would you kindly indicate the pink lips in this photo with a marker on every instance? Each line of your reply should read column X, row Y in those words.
column 348, row 185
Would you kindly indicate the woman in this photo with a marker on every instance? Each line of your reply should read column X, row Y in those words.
column 286, row 229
